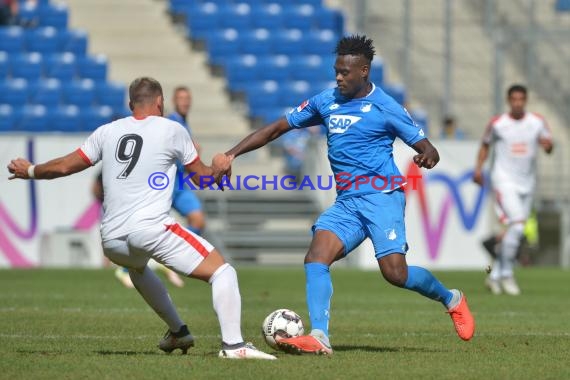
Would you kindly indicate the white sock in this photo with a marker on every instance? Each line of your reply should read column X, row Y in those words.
column 156, row 296
column 227, row 303
column 509, row 247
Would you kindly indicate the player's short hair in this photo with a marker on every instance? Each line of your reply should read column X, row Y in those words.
column 356, row 45
column 516, row 88
column 144, row 90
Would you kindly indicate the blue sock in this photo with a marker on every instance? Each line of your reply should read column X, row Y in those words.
column 422, row 281
column 319, row 292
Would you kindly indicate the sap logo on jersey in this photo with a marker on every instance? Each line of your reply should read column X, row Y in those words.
column 340, row 123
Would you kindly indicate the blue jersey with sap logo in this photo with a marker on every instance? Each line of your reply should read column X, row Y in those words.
column 360, row 134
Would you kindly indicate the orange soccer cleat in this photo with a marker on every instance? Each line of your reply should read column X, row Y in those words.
column 304, row 344
column 462, row 319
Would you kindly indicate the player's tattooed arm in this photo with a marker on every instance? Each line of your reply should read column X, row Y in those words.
column 427, row 156
column 221, row 165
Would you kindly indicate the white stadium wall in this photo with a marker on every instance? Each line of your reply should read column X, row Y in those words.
column 32, row 211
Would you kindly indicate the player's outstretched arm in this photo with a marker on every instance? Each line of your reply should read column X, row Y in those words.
column 59, row 167
column 260, row 137
column 427, row 156
column 481, row 158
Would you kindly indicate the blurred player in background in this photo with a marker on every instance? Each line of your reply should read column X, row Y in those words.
column 184, row 201
column 516, row 136
column 136, row 224
column 363, row 123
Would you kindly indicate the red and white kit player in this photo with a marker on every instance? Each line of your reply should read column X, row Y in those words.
column 138, row 155
column 516, row 136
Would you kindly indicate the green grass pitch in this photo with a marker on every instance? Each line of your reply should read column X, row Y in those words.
column 79, row 324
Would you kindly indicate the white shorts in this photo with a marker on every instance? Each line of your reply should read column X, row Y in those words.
column 169, row 244
column 511, row 205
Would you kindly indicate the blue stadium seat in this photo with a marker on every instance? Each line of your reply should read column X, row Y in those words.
column 562, row 5
column 7, row 118
column 27, row 65
column 73, row 41
column 92, row 67
column 330, row 19
column 223, row 44
column 4, row 65
column 29, row 14
column 178, row 7
column 94, row 117
column 257, row 42
column 322, row 42
column 236, row 16
column 312, row 68
column 67, row 119
column 43, row 40
column 12, row 39
column 80, row 93
column 269, row 115
column 289, row 42
column 295, row 92
column 262, row 95
column 47, row 92
column 396, row 91
column 241, row 70
column 62, row 66
column 315, row 3
column 14, row 92
column 377, row 71
column 299, row 17
column 202, row 19
column 268, row 16
column 110, row 94
column 274, row 67
column 34, row 118
column 55, row 15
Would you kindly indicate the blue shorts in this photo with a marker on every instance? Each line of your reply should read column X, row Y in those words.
column 185, row 202
column 378, row 216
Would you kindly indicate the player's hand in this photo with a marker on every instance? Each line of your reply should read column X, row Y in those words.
column 478, row 177
column 19, row 168
column 546, row 144
column 427, row 159
column 221, row 165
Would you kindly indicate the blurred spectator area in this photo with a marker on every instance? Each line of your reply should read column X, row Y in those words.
column 48, row 81
column 274, row 54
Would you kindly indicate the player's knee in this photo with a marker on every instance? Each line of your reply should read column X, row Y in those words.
column 196, row 220
column 396, row 276
column 514, row 234
column 394, row 270
column 320, row 255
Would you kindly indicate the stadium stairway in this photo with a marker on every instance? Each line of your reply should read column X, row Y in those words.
column 262, row 227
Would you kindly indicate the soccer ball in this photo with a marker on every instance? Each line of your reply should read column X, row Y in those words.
column 282, row 323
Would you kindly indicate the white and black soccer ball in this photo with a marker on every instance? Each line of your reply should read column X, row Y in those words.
column 282, row 323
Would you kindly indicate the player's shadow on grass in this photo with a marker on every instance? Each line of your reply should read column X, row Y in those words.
column 126, row 353
column 342, row 348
